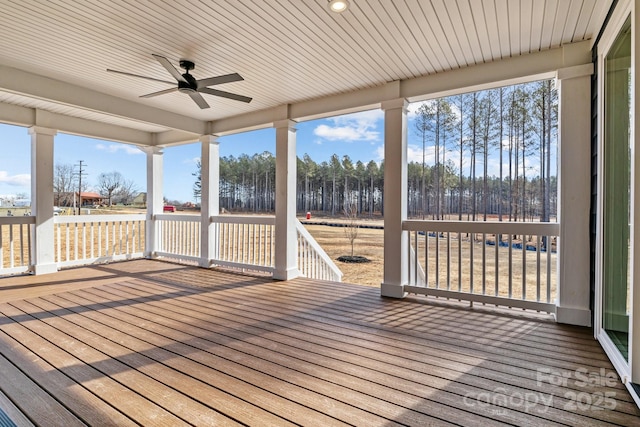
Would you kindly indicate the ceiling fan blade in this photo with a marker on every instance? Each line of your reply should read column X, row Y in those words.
column 218, row 80
column 160, row 92
column 223, row 94
column 169, row 67
column 198, row 99
column 142, row 77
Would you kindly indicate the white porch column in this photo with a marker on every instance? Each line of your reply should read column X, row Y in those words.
column 209, row 197
column 42, row 199
column 285, row 230
column 395, row 198
column 574, row 186
column 154, row 198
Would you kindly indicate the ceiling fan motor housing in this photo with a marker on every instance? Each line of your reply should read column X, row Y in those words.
column 190, row 85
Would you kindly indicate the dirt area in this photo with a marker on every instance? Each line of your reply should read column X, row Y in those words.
column 369, row 243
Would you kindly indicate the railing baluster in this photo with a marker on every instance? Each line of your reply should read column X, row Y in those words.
column 471, row 261
column 11, row 244
column 510, row 240
column 524, row 267
column 68, row 248
column 21, row 244
column 484, row 263
column 426, row 258
column 1, row 247
column 75, row 241
column 437, row 260
column 459, row 261
column 537, row 268
column 497, row 240
column 549, row 247
column 448, row 260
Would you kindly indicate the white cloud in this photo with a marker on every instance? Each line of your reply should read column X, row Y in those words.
column 20, row 180
column 352, row 127
column 414, row 107
column 114, row 148
column 191, row 161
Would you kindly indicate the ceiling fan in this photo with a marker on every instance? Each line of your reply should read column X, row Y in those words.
column 188, row 84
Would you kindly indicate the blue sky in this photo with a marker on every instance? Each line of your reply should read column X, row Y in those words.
column 359, row 135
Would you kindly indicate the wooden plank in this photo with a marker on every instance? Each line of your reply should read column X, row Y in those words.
column 121, row 365
column 76, row 398
column 110, row 390
column 42, row 408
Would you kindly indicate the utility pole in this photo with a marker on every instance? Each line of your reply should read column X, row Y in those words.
column 80, row 174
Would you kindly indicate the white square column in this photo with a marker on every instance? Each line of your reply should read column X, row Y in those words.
column 155, row 160
column 395, row 198
column 286, row 236
column 43, row 251
column 574, row 193
column 209, row 198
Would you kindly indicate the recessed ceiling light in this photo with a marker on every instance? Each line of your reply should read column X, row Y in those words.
column 338, row 6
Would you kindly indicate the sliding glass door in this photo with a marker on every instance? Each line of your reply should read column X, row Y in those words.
column 617, row 195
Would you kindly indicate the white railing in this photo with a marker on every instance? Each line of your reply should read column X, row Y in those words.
column 313, row 261
column 15, row 244
column 178, row 237
column 509, row 264
column 244, row 242
column 89, row 239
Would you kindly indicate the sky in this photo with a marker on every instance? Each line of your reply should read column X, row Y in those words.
column 358, row 135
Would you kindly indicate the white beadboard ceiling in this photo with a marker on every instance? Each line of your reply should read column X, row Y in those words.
column 288, row 51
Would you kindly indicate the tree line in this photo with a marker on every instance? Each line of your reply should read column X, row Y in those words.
column 513, row 128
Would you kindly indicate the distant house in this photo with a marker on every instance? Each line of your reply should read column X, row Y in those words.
column 89, row 198
column 140, row 199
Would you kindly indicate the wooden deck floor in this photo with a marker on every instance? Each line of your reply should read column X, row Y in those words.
column 154, row 343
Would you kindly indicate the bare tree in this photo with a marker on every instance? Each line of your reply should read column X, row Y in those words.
column 126, row 192
column 351, row 227
column 109, row 183
column 64, row 184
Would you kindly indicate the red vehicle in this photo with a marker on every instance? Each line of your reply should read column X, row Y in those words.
column 169, row 208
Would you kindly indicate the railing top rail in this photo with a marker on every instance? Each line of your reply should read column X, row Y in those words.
column 244, row 219
column 79, row 219
column 178, row 217
column 10, row 220
column 490, row 227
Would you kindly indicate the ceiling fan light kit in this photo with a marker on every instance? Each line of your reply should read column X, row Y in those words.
column 189, row 85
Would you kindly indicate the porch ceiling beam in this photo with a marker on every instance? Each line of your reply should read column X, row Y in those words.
column 27, row 117
column 34, row 85
column 508, row 71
